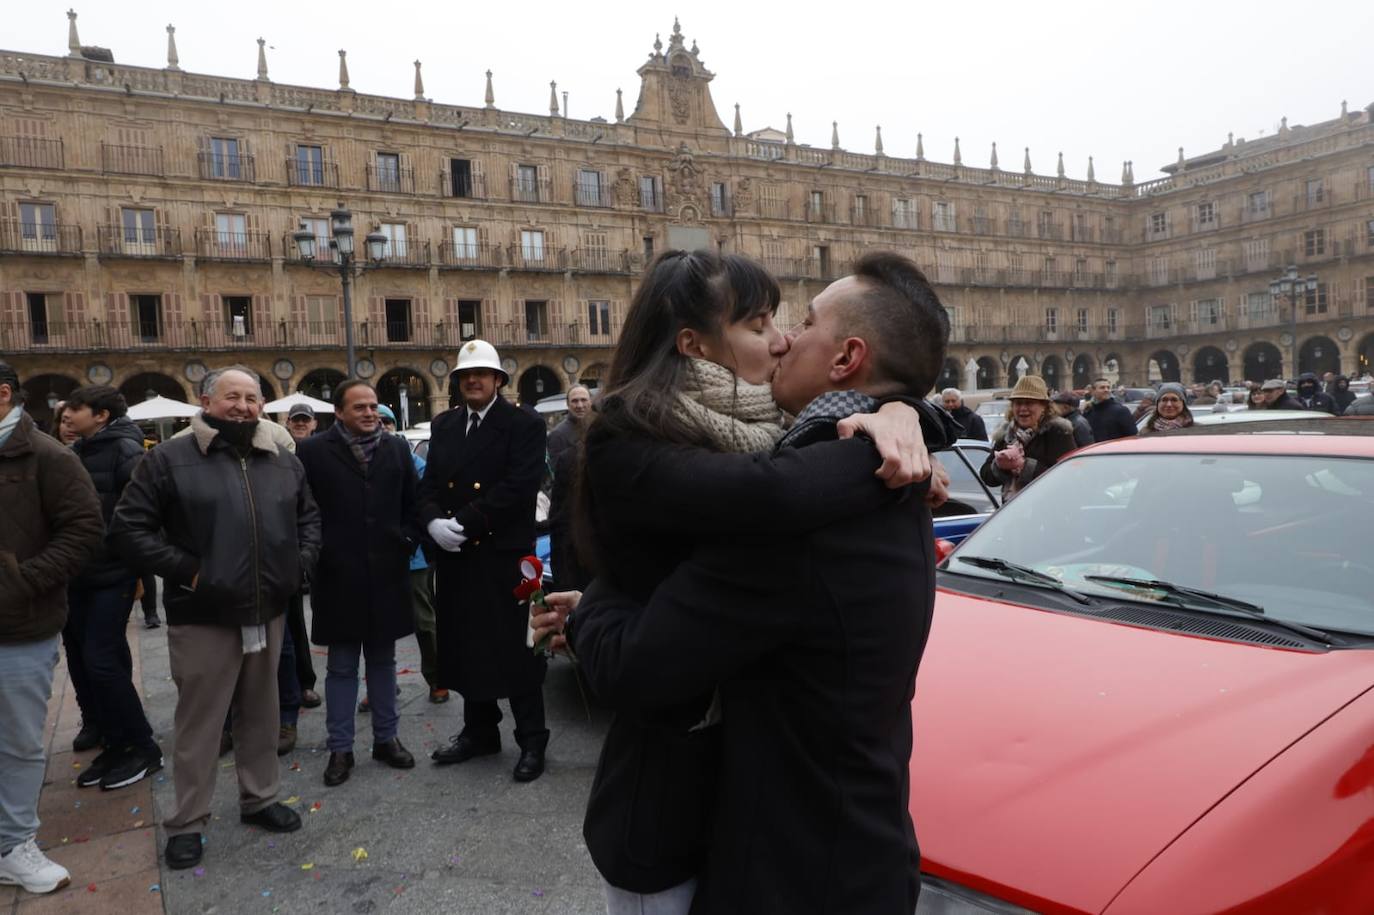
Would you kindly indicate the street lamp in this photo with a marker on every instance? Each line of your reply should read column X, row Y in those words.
column 1288, row 285
column 53, row 401
column 341, row 241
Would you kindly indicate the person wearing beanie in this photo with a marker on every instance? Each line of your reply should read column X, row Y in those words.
column 1171, row 410
column 1311, row 397
column 1066, row 404
column 1029, row 442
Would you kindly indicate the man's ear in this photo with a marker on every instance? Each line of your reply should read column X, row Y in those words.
column 851, row 362
column 689, row 343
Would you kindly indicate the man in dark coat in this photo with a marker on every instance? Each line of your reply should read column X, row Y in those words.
column 1276, row 396
column 477, row 499
column 1066, row 404
column 1108, row 417
column 100, row 599
column 228, row 585
column 565, row 441
column 813, row 640
column 973, row 424
column 364, row 483
column 49, row 526
column 1311, row 396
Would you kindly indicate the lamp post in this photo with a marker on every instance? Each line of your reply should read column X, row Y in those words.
column 341, row 242
column 1288, row 285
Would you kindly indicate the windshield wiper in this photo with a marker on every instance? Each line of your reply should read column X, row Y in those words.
column 1024, row 575
column 1182, row 594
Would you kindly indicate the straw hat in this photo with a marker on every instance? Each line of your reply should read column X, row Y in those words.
column 1030, row 387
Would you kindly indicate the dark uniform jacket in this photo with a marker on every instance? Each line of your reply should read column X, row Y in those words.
column 49, row 526
column 813, row 637
column 1109, row 419
column 361, row 591
column 109, row 457
column 488, row 482
column 247, row 526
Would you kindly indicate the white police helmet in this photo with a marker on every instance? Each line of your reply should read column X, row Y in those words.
column 479, row 354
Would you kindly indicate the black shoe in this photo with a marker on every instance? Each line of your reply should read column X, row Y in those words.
column 340, row 765
column 463, row 748
column 184, row 851
column 134, row 766
column 310, row 699
column 393, row 754
column 152, row 622
column 98, row 768
column 286, row 739
column 274, row 817
column 226, row 742
column 530, row 766
column 88, row 738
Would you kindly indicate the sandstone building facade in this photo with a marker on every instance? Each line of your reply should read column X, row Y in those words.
column 146, row 217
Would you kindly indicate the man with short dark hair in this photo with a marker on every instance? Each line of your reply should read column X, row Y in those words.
column 1108, row 417
column 813, row 641
column 228, row 585
column 364, row 483
column 49, row 526
column 100, row 599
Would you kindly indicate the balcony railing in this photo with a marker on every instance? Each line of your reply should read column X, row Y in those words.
column 324, row 254
column 530, row 191
column 592, row 194
column 865, row 216
column 119, row 241
column 31, row 152
column 39, row 238
column 218, row 167
column 720, row 208
column 773, row 208
column 304, row 173
column 131, row 160
column 407, row 253
column 820, row 212
column 473, row 187
column 212, row 244
column 653, row 203
column 470, row 256
column 599, row 260
column 522, row 258
column 389, row 180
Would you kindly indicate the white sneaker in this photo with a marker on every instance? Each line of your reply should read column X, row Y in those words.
column 28, row 867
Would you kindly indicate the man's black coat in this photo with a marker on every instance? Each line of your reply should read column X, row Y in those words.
column 489, row 483
column 1110, row 419
column 973, row 424
column 813, row 639
column 361, row 588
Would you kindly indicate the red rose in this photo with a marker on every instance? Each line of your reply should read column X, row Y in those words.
column 527, row 589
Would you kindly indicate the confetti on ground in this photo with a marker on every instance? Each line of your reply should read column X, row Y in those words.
column 76, row 765
column 133, row 810
column 315, row 806
column 203, row 840
column 271, row 844
column 137, row 824
column 293, row 799
column 155, row 888
column 537, row 893
column 266, row 893
column 90, row 887
column 360, row 854
column 226, row 765
column 308, row 866
column 295, row 767
column 199, row 872
column 454, row 859
column 82, row 839
column 78, row 805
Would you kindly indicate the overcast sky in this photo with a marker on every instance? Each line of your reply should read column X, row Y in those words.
column 1114, row 81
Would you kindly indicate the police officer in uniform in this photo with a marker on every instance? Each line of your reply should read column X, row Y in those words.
column 477, row 497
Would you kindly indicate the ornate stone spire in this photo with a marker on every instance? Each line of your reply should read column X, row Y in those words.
column 1125, row 173
column 73, row 42
column 490, row 96
column 1182, row 164
column 992, row 162
column 262, row 59
column 1026, row 166
column 1344, row 110
column 1060, row 169
column 920, row 148
column 1230, row 138
column 343, row 69
column 788, row 135
column 739, row 124
column 1283, row 126
column 419, row 84
column 834, row 134
column 878, row 143
column 958, row 158
column 620, row 107
column 172, row 59
column 553, row 98
column 1092, row 174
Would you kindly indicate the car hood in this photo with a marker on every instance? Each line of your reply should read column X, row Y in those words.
column 1055, row 755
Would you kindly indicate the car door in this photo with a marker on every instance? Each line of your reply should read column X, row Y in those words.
column 970, row 500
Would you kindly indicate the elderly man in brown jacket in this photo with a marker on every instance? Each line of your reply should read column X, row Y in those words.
column 50, row 523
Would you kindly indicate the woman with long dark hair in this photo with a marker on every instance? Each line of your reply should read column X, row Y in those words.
column 677, row 452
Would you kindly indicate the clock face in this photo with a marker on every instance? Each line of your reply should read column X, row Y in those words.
column 509, row 365
column 365, row 368
column 283, row 369
column 438, row 368
column 570, row 364
column 99, row 373
column 195, row 371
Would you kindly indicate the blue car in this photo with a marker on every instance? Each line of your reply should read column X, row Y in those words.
column 971, row 501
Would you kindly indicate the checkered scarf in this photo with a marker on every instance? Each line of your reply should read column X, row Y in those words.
column 362, row 446
column 826, row 410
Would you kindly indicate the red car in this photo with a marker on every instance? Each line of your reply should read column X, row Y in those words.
column 1148, row 684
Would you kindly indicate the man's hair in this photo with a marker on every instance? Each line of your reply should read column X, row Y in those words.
column 99, row 397
column 342, row 390
column 952, row 392
column 10, row 377
column 1097, row 381
column 582, row 386
column 901, row 319
column 208, row 383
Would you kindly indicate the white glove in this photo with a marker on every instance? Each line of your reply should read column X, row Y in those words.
column 447, row 533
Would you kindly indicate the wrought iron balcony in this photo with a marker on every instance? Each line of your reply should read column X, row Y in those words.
column 39, row 238
column 212, row 244
column 220, row 167
column 523, row 258
column 773, row 208
column 598, row 260
column 470, row 256
column 473, row 187
column 131, row 160
column 820, row 212
column 31, row 152
column 389, row 180
column 303, row 173
column 592, row 194
column 407, row 253
column 866, row 215
column 324, row 253
column 120, row 241
column 530, row 191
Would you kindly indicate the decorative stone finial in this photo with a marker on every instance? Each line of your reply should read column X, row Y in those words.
column 1344, row 111
column 834, row 134
column 677, row 28
column 658, row 45
column 788, row 133
column 739, row 125
column 1125, row 173
column 172, row 59
column 1230, row 138
column 73, row 42
column 620, row 107
column 1130, row 168
column 343, row 69
column 419, row 84
column 695, row 51
column 920, row 148
column 1182, row 162
column 992, row 162
column 262, row 58
column 878, row 143
column 1283, row 125
column 958, row 157
column 1092, row 173
column 1026, row 166
column 1060, row 169
column 553, row 98
column 490, row 96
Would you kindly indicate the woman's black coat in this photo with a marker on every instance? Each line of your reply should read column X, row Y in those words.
column 361, row 587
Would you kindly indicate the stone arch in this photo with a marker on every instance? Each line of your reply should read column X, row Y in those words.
column 989, row 370
column 138, row 388
column 950, row 375
column 1261, row 361
column 320, row 383
column 1163, row 366
column 1014, row 373
column 1364, row 355
column 1210, row 364
column 414, row 407
column 40, row 389
column 1084, row 368
column 536, row 382
column 269, row 390
column 1319, row 355
column 591, row 375
column 1111, row 369
column 1052, row 370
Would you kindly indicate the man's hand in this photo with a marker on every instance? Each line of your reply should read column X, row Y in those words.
column 938, row 494
column 896, row 432
column 551, row 622
column 447, row 533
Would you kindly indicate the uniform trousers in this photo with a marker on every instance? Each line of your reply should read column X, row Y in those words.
column 213, row 675
column 481, row 716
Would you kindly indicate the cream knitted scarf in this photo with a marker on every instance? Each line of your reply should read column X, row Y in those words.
column 736, row 415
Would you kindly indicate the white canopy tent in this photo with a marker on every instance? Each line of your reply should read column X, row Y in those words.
column 284, row 404
column 162, row 408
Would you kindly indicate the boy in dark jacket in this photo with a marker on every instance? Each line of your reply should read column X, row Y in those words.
column 1108, row 417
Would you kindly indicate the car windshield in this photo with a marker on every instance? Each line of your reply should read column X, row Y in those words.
column 1289, row 534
